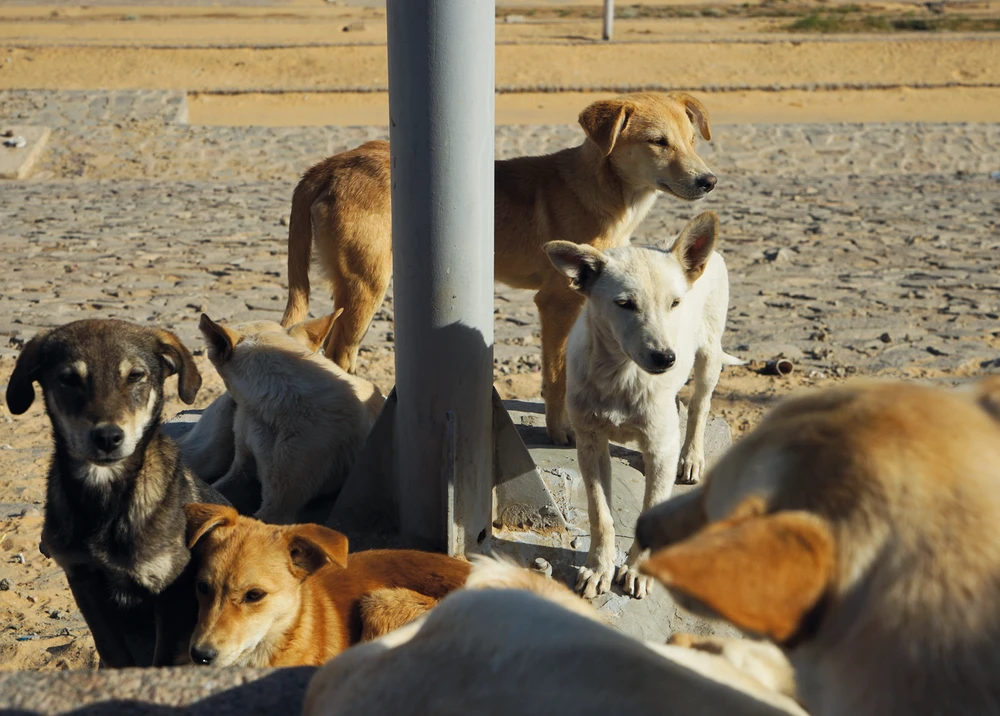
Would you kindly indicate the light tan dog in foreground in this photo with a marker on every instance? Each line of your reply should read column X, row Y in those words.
column 299, row 418
column 514, row 642
column 859, row 529
column 596, row 193
column 290, row 596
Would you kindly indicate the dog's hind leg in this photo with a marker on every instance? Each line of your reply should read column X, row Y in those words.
column 707, row 367
column 360, row 300
column 558, row 308
column 660, row 451
column 385, row 610
column 595, row 576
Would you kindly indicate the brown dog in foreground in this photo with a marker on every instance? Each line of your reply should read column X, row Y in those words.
column 291, row 596
column 859, row 529
column 596, row 193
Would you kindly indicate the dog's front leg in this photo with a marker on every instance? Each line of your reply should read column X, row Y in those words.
column 660, row 450
column 707, row 367
column 595, row 576
column 558, row 309
column 90, row 592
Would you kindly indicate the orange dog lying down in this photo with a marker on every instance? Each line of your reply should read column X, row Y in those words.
column 291, row 595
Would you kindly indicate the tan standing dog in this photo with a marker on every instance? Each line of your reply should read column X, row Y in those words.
column 515, row 642
column 596, row 193
column 298, row 417
column 859, row 529
column 290, row 596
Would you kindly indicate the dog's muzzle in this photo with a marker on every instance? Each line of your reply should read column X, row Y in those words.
column 661, row 361
column 106, row 440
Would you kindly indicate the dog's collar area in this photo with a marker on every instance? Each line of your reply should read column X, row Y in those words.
column 809, row 626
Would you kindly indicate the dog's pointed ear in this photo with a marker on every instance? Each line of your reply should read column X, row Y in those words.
column 312, row 546
column 764, row 574
column 672, row 521
column 203, row 517
column 696, row 243
column 696, row 112
column 604, row 121
column 221, row 339
column 20, row 388
column 179, row 360
column 312, row 333
column 581, row 263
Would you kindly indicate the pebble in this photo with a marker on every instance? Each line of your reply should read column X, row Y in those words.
column 5, row 585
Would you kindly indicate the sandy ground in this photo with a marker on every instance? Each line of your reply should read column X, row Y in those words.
column 252, row 48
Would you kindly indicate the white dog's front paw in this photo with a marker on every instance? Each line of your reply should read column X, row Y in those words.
column 634, row 584
column 591, row 581
column 690, row 468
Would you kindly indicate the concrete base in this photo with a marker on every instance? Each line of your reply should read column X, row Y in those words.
column 17, row 162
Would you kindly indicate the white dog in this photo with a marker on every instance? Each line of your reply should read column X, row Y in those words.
column 298, row 416
column 650, row 317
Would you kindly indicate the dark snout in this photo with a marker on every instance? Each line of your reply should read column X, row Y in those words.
column 706, row 182
column 107, row 438
column 203, row 656
column 661, row 361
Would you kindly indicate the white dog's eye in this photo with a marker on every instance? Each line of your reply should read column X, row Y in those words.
column 660, row 142
column 676, row 302
column 627, row 303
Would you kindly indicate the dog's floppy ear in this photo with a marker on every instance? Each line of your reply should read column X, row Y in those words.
column 580, row 262
column 312, row 546
column 696, row 112
column 203, row 517
column 312, row 333
column 604, row 121
column 20, row 388
column 696, row 243
column 179, row 360
column 764, row 574
column 220, row 339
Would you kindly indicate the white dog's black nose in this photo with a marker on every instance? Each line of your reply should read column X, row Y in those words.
column 661, row 360
column 706, row 182
column 203, row 657
column 107, row 438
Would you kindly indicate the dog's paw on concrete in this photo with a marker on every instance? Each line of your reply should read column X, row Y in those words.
column 634, row 584
column 593, row 581
column 690, row 468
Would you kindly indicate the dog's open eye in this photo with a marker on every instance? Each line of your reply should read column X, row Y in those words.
column 660, row 142
column 675, row 303
column 203, row 588
column 136, row 376
column 254, row 595
column 627, row 303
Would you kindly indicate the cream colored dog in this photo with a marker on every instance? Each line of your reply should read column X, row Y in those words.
column 299, row 418
column 597, row 193
column 650, row 316
column 859, row 529
column 515, row 642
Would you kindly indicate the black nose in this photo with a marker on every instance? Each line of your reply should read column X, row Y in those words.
column 107, row 438
column 662, row 360
column 707, row 182
column 203, row 657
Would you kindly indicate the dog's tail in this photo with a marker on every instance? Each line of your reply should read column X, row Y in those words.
column 497, row 572
column 731, row 360
column 300, row 239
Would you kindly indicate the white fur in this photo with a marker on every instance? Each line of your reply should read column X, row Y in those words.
column 611, row 395
column 300, row 417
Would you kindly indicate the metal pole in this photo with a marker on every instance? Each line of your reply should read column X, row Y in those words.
column 441, row 114
column 609, row 18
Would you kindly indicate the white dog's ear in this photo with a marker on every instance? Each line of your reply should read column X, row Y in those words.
column 312, row 332
column 220, row 340
column 604, row 121
column 580, row 262
column 694, row 246
column 696, row 112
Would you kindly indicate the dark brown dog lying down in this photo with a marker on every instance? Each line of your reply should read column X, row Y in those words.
column 290, row 596
column 859, row 529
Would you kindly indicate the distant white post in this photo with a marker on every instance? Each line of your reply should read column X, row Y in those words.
column 609, row 18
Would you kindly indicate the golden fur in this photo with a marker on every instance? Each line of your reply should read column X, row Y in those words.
column 596, row 193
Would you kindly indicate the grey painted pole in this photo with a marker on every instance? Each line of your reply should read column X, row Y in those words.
column 441, row 114
column 609, row 19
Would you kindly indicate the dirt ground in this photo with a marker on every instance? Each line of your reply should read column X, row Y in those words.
column 311, row 45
